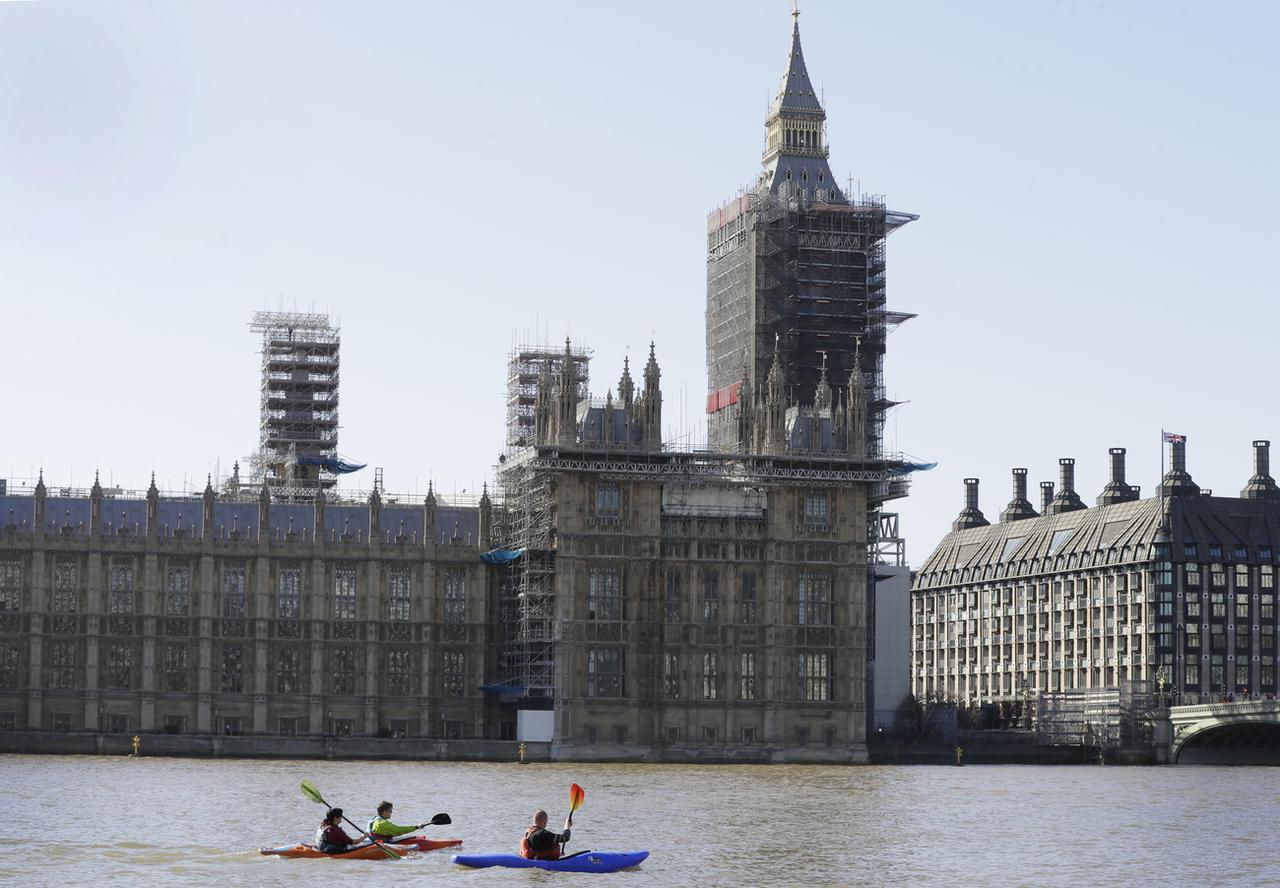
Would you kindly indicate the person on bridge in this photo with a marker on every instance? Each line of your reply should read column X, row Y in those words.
column 382, row 829
column 540, row 843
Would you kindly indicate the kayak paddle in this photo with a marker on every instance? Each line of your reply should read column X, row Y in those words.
column 576, row 795
column 312, row 793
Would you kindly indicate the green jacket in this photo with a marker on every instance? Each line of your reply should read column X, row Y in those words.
column 381, row 826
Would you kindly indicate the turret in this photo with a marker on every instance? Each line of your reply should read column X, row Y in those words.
column 375, row 515
column 264, row 512
column 1117, row 490
column 1261, row 486
column 970, row 516
column 486, row 518
column 857, row 410
column 1067, row 500
column 774, row 408
column 153, row 508
column 1019, row 507
column 544, row 407
column 626, row 388
column 207, row 502
column 95, row 506
column 651, row 403
column 822, row 392
column 41, row 496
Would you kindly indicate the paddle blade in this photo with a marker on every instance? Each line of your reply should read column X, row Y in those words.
column 441, row 820
column 576, row 795
column 312, row 793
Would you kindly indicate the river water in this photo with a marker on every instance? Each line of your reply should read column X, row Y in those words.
column 148, row 821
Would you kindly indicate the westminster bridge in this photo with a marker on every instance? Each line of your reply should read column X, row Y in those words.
column 1228, row 733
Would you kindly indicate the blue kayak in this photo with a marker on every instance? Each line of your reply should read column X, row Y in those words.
column 583, row 862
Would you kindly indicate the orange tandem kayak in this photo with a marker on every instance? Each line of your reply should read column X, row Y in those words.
column 363, row 852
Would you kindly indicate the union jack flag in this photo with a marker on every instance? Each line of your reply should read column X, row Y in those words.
column 1174, row 438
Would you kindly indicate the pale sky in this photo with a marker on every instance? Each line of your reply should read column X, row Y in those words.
column 1095, row 181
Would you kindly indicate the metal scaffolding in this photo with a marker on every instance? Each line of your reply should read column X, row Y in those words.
column 298, row 429
column 524, row 520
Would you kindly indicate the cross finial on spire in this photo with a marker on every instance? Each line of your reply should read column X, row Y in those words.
column 795, row 11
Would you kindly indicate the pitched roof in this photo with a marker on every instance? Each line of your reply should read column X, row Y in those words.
column 796, row 92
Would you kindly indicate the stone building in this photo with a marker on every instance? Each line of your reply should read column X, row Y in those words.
column 1176, row 590
column 233, row 616
column 672, row 604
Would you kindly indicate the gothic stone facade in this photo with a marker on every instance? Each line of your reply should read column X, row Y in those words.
column 200, row 615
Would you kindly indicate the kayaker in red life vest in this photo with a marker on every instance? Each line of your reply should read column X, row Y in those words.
column 540, row 843
column 331, row 838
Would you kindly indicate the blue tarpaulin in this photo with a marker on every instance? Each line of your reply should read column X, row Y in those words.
column 335, row 464
column 908, row 467
column 501, row 556
column 500, row 688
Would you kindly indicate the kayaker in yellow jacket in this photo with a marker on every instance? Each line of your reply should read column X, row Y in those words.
column 382, row 829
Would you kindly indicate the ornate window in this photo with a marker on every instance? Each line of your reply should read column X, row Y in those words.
column 747, row 677
column 671, row 675
column 64, row 659
column 175, row 667
column 710, row 675
column 455, row 673
column 816, row 505
column 10, row 658
column 344, row 593
column 288, row 663
column 608, row 500
column 177, row 592
column 289, row 597
column 815, row 677
column 747, row 601
column 10, row 585
column 604, row 672
column 120, row 594
column 398, row 595
column 120, row 666
column 342, row 670
column 672, row 600
column 455, row 596
column 233, row 593
column 604, row 594
column 397, row 672
column 232, row 669
column 813, row 600
column 710, row 597
column 66, row 587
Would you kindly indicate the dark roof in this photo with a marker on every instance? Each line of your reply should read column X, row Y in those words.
column 1111, row 534
column 796, row 92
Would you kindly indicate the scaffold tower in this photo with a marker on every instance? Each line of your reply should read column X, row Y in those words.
column 298, row 443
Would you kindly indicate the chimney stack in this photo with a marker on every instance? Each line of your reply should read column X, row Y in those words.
column 1066, row 500
column 970, row 516
column 1046, row 496
column 1117, row 491
column 1177, row 481
column 1261, row 485
column 1019, row 507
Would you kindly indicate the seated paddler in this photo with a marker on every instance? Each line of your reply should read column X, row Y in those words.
column 382, row 829
column 540, row 843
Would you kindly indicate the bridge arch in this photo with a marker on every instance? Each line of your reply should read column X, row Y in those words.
column 1226, row 740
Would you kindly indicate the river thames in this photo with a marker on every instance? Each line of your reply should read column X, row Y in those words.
column 127, row 821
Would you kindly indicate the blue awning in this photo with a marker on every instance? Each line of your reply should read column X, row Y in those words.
column 501, row 556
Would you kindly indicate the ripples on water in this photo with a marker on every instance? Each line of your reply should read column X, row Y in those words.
column 123, row 821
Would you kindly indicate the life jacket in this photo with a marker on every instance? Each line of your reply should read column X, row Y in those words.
column 526, row 848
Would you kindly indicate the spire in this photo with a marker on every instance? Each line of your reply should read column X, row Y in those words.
column 796, row 134
column 96, row 490
column 822, row 393
column 626, row 388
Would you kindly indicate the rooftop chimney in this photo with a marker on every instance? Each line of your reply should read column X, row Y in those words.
column 1261, row 485
column 1066, row 500
column 1019, row 507
column 970, row 515
column 1177, row 481
column 1046, row 496
column 1117, row 491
